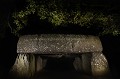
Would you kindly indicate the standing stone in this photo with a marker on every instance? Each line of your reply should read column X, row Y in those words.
column 44, row 62
column 39, row 64
column 99, row 64
column 86, row 62
column 21, row 66
column 31, row 64
column 77, row 64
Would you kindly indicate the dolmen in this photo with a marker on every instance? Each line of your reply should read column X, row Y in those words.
column 33, row 51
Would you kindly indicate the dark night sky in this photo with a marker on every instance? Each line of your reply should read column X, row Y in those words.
column 12, row 3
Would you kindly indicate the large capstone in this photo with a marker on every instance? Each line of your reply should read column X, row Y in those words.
column 27, row 44
column 53, row 44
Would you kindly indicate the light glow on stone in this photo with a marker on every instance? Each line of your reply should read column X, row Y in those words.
column 99, row 64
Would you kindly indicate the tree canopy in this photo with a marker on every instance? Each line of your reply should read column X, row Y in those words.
column 60, row 13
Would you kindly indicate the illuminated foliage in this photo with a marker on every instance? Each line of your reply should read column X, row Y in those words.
column 56, row 15
column 57, row 18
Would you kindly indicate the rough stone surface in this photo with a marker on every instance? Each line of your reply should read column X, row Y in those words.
column 21, row 66
column 99, row 64
column 39, row 64
column 24, row 66
column 77, row 64
column 27, row 44
column 86, row 62
column 58, row 44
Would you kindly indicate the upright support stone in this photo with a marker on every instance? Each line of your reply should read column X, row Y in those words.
column 39, row 64
column 32, row 64
column 77, row 64
column 99, row 64
column 44, row 62
column 21, row 66
column 86, row 62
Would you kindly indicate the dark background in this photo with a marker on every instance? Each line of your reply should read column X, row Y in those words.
column 8, row 42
